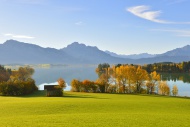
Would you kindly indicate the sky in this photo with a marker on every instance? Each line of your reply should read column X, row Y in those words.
column 120, row 26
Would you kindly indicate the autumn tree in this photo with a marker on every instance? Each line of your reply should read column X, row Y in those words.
column 175, row 90
column 102, row 83
column 93, row 87
column 61, row 83
column 168, row 67
column 113, row 76
column 89, row 86
column 86, row 85
column 76, row 85
column 22, row 74
column 112, row 89
column 139, row 78
column 4, row 74
column 103, row 75
column 17, row 87
column 154, row 78
column 102, row 69
column 131, row 72
column 164, row 88
column 17, row 82
column 126, row 77
column 122, row 76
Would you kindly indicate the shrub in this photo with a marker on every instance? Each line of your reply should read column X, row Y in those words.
column 17, row 88
column 76, row 85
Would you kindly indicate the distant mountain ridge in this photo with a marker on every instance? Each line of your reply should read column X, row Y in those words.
column 12, row 52
column 132, row 56
column 18, row 52
column 91, row 54
column 184, row 51
column 15, row 52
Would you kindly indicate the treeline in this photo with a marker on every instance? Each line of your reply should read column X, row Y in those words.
column 16, row 82
column 168, row 67
column 4, row 74
column 185, row 77
column 85, row 86
column 123, row 79
column 16, row 88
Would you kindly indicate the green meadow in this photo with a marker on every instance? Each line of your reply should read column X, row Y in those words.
column 94, row 109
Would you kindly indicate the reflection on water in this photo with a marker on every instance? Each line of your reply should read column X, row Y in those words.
column 182, row 80
column 185, row 77
column 50, row 75
column 183, row 88
column 45, row 76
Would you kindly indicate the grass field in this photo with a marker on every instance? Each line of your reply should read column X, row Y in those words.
column 88, row 109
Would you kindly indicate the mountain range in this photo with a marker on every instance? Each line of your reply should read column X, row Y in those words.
column 15, row 52
column 132, row 56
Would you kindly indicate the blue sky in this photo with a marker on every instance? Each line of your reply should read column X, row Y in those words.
column 120, row 26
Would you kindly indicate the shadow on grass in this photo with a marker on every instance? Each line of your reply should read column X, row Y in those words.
column 34, row 94
column 162, row 96
column 150, row 95
column 39, row 93
column 42, row 93
column 66, row 95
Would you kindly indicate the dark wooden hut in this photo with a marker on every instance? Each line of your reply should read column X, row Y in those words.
column 53, row 90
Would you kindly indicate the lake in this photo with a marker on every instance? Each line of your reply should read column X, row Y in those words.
column 49, row 75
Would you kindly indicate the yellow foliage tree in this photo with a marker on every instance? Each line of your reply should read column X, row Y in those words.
column 131, row 72
column 154, row 78
column 139, row 78
column 61, row 83
column 104, row 75
column 175, row 90
column 76, row 85
column 22, row 74
column 122, row 76
column 164, row 88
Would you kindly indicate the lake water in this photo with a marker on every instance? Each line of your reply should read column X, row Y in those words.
column 45, row 76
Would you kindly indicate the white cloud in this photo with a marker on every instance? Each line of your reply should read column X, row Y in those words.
column 22, row 36
column 19, row 36
column 181, row 33
column 145, row 13
column 8, row 34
